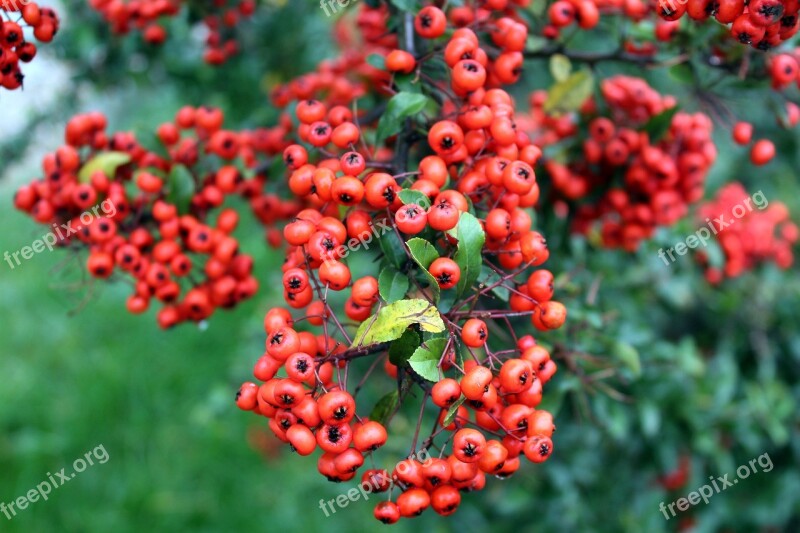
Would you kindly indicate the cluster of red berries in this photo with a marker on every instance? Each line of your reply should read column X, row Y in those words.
column 463, row 208
column 220, row 18
column 310, row 409
column 586, row 13
column 625, row 180
column 763, row 24
column 753, row 235
column 14, row 49
column 157, row 202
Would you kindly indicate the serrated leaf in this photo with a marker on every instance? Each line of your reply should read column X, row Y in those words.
column 424, row 254
column 377, row 61
column 560, row 67
column 471, row 239
column 659, row 125
column 106, row 162
column 180, row 188
column 385, row 407
column 392, row 320
column 392, row 284
column 404, row 347
column 401, row 106
column 629, row 356
column 569, row 95
column 408, row 196
column 452, row 411
column 425, row 360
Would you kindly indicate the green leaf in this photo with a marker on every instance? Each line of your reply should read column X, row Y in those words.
column 569, row 95
column 408, row 196
column 560, row 67
column 468, row 256
column 659, row 125
column 393, row 284
column 424, row 254
column 377, row 61
column 180, row 188
column 425, row 360
column 681, row 72
column 629, row 356
column 106, row 162
column 452, row 411
column 391, row 321
column 385, row 407
column 408, row 83
column 392, row 248
column 404, row 347
column 401, row 106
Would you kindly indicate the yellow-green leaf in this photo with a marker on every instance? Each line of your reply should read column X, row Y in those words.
column 106, row 162
column 391, row 321
column 569, row 95
column 560, row 67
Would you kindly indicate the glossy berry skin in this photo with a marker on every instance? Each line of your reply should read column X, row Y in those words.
column 762, row 152
column 387, row 512
column 336, row 407
column 474, row 333
column 468, row 445
column 446, row 272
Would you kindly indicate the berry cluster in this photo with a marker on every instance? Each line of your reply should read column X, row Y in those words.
column 763, row 24
column 624, row 179
column 158, row 202
column 586, row 13
column 14, row 49
column 220, row 18
column 754, row 236
column 460, row 271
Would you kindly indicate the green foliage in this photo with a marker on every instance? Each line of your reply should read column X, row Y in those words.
column 468, row 257
column 392, row 284
column 385, row 407
column 402, row 106
column 425, row 360
column 654, row 363
column 424, row 254
column 404, row 347
column 180, row 187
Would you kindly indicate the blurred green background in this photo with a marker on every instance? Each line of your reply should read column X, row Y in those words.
column 710, row 374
